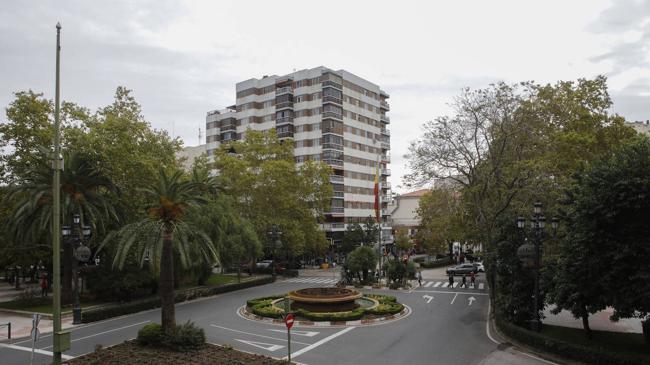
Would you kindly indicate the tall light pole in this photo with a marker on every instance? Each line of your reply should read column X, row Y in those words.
column 525, row 252
column 57, row 166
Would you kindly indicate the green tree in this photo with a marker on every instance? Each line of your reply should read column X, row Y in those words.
column 360, row 235
column 442, row 221
column 362, row 260
column 402, row 240
column 268, row 188
column 164, row 231
column 85, row 190
column 607, row 216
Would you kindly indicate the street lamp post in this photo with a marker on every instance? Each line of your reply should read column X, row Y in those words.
column 76, row 237
column 274, row 234
column 525, row 251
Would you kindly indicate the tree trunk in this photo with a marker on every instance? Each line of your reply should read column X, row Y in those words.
column 168, row 316
column 646, row 331
column 66, row 285
column 585, row 323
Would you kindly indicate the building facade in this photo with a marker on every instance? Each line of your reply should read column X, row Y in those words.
column 330, row 116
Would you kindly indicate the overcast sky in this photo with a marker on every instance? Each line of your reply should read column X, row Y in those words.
column 183, row 58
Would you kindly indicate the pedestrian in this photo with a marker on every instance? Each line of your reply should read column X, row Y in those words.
column 464, row 283
column 419, row 276
column 451, row 281
column 43, row 286
column 472, row 278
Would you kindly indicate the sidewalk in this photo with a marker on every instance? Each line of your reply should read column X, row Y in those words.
column 598, row 321
column 22, row 326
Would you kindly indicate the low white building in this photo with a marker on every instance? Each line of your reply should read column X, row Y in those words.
column 190, row 153
column 404, row 209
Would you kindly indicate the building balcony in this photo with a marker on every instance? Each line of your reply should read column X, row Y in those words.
column 228, row 127
column 285, row 105
column 386, row 185
column 332, row 146
column 332, row 115
column 384, row 105
column 385, row 145
column 332, row 84
column 333, row 162
column 386, row 198
column 285, row 120
column 338, row 195
column 385, row 172
column 284, row 90
column 385, row 118
column 335, row 211
column 331, row 99
column 333, row 226
column 385, row 158
column 387, row 239
column 336, row 178
column 385, row 132
column 285, row 135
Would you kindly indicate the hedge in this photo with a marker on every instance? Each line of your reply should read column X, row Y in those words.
column 114, row 310
column 332, row 317
column 568, row 350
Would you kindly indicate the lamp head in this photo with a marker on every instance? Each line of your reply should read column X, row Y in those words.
column 537, row 207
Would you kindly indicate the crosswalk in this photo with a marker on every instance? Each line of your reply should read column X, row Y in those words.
column 313, row 280
column 425, row 284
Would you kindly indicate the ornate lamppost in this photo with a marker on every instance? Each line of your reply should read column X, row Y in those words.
column 530, row 254
column 76, row 236
column 274, row 233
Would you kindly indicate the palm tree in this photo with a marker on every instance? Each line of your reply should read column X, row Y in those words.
column 85, row 190
column 166, row 229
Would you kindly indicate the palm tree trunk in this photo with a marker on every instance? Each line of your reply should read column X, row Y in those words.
column 585, row 322
column 168, row 316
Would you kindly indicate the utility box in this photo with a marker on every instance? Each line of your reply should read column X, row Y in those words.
column 61, row 341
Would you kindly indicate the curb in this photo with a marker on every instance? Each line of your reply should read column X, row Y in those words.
column 242, row 311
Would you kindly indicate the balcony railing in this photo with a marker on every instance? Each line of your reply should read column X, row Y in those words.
column 332, row 146
column 385, row 158
column 384, row 105
column 385, row 172
column 331, row 99
column 386, row 185
column 228, row 127
column 285, row 135
column 335, row 210
column 284, row 90
column 286, row 104
column 336, row 178
column 333, row 162
column 332, row 115
column 284, row 120
column 332, row 84
column 332, row 226
column 339, row 194
column 385, row 132
column 385, row 145
column 385, row 118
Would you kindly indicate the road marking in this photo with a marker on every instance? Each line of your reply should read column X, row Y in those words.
column 297, row 332
column 262, row 345
column 481, row 286
column 428, row 284
column 428, row 298
column 101, row 333
column 258, row 335
column 471, row 300
column 38, row 351
column 453, row 292
column 452, row 301
column 445, row 285
column 437, row 284
column 455, row 284
column 325, row 340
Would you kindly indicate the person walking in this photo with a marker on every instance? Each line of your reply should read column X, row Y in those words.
column 464, row 282
column 419, row 276
column 451, row 281
column 472, row 279
column 43, row 286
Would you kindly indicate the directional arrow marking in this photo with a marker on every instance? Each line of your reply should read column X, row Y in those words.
column 297, row 332
column 262, row 345
column 428, row 298
column 471, row 300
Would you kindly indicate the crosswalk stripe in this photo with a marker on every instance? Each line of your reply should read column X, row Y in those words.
column 445, row 285
column 455, row 284
column 437, row 284
column 481, row 286
column 428, row 284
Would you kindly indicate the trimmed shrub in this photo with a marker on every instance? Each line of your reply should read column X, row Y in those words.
column 186, row 337
column 267, row 311
column 150, row 335
column 256, row 301
column 332, row 317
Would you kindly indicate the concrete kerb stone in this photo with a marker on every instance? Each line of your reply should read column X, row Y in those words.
column 244, row 313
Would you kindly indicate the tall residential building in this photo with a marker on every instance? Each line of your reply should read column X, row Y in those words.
column 332, row 116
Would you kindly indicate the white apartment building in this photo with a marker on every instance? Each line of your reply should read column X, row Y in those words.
column 332, row 116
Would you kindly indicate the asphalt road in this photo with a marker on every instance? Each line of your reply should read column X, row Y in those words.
column 446, row 326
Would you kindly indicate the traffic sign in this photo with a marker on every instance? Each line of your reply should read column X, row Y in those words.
column 288, row 320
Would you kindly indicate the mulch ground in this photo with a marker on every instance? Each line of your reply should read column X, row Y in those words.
column 130, row 353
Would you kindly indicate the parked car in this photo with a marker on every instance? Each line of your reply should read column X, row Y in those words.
column 462, row 269
column 479, row 266
column 264, row 264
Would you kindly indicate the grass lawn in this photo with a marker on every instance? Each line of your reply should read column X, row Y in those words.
column 626, row 343
column 221, row 279
column 43, row 305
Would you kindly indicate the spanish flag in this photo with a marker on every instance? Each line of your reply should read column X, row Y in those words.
column 377, row 193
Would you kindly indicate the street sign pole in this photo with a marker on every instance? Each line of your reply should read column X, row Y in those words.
column 288, row 320
column 36, row 318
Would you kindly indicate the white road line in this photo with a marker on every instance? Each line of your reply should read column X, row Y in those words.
column 101, row 333
column 481, row 286
column 437, row 284
column 38, row 351
column 454, row 292
column 255, row 334
column 324, row 340
column 452, row 301
column 445, row 285
column 455, row 284
column 428, row 284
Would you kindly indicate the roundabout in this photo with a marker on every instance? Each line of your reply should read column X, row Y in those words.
column 326, row 307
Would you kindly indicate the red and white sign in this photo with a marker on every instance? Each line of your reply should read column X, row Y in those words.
column 288, row 320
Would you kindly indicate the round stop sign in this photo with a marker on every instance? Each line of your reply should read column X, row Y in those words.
column 288, row 320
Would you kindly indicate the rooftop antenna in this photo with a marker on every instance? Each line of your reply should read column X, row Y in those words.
column 200, row 136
